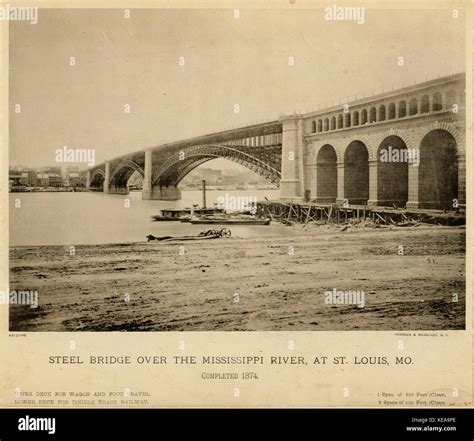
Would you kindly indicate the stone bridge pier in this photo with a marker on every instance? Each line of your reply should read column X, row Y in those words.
column 162, row 193
column 156, row 191
column 292, row 175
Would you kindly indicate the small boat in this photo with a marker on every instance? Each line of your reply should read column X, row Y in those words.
column 229, row 221
column 184, row 214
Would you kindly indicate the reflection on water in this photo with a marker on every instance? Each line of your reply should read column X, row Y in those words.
column 89, row 218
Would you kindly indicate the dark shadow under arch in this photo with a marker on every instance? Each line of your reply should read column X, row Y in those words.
column 438, row 174
column 326, row 174
column 356, row 173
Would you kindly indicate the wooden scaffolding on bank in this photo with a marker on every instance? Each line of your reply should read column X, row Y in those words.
column 304, row 213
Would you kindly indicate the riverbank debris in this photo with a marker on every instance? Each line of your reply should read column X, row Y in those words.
column 207, row 234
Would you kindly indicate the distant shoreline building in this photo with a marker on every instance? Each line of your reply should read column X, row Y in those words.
column 21, row 178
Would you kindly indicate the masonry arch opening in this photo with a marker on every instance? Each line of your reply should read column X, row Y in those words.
column 438, row 174
column 356, row 173
column 326, row 174
column 392, row 172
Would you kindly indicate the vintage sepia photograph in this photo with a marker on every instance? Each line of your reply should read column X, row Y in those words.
column 237, row 169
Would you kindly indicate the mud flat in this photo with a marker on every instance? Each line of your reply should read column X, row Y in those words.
column 156, row 287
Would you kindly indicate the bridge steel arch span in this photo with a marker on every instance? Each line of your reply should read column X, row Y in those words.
column 171, row 172
column 167, row 174
column 120, row 175
column 96, row 179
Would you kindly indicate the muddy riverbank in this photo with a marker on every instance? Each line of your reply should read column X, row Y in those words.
column 267, row 283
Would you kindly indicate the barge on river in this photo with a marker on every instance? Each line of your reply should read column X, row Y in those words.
column 174, row 214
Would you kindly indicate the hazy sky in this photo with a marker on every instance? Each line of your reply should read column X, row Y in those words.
column 228, row 61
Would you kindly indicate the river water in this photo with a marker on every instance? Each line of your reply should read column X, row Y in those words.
column 94, row 218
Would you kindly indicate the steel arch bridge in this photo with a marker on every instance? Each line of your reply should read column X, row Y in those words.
column 257, row 148
column 329, row 155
